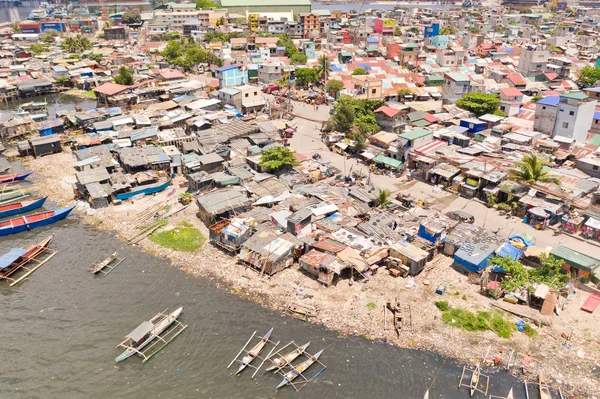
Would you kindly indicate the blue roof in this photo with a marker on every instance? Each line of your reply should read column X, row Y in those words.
column 365, row 66
column 7, row 259
column 335, row 68
column 372, row 40
column 227, row 68
column 550, row 100
column 59, row 69
column 596, row 115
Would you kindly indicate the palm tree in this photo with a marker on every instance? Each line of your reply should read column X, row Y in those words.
column 383, row 197
column 530, row 170
column 323, row 67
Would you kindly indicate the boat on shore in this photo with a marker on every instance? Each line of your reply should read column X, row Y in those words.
column 145, row 189
column 28, row 222
column 544, row 390
column 254, row 352
column 18, row 258
column 4, row 188
column 13, row 195
column 139, row 338
column 20, row 207
column 287, row 358
column 299, row 369
column 13, row 177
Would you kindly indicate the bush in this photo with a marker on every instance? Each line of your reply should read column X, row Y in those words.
column 442, row 305
column 502, row 327
column 371, row 305
column 530, row 331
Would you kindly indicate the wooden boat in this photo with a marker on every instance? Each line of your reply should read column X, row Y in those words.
column 510, row 394
column 288, row 357
column 5, row 169
column 2, row 149
column 21, row 207
column 4, row 188
column 35, row 105
column 544, row 390
column 426, row 395
column 299, row 369
column 14, row 194
column 23, row 223
column 254, row 352
column 139, row 338
column 14, row 177
column 146, row 189
column 106, row 265
column 474, row 380
column 17, row 259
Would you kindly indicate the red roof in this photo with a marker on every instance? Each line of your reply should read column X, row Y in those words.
column 389, row 111
column 551, row 75
column 511, row 92
column 516, row 79
column 430, row 118
column 172, row 75
column 213, row 83
column 110, row 89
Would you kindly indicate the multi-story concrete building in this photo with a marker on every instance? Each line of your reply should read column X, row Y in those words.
column 408, row 53
column 545, row 114
column 258, row 6
column 559, row 65
column 455, row 85
column 231, row 75
column 533, row 60
column 311, row 27
column 575, row 115
column 390, row 119
column 175, row 15
column 269, row 72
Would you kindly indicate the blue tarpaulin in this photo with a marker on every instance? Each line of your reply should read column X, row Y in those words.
column 528, row 242
column 7, row 259
column 507, row 250
column 473, row 257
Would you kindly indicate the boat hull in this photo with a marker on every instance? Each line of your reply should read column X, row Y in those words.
column 12, row 178
column 287, row 358
column 58, row 215
column 150, row 189
column 170, row 320
column 254, row 352
column 26, row 207
column 299, row 369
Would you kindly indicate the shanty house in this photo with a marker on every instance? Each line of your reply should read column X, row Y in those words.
column 45, row 145
column 108, row 90
column 221, row 204
column 411, row 255
column 474, row 257
column 577, row 264
column 270, row 253
column 322, row 265
column 230, row 234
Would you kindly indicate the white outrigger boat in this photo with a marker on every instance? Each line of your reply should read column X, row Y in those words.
column 296, row 371
column 146, row 332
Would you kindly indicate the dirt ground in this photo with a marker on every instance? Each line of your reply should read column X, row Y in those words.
column 357, row 308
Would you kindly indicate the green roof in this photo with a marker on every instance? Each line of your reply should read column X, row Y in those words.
column 575, row 95
column 595, row 140
column 415, row 134
column 409, row 45
column 258, row 3
column 436, row 78
column 394, row 163
column 457, row 77
column 421, row 123
column 576, row 259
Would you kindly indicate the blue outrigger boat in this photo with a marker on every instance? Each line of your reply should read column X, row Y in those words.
column 14, row 177
column 28, row 222
column 146, row 189
column 21, row 207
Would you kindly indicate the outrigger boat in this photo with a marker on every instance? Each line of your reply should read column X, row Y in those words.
column 4, row 188
column 20, row 207
column 18, row 258
column 28, row 222
column 106, row 264
column 254, row 352
column 509, row 396
column 288, row 358
column 299, row 369
column 5, row 169
column 143, row 335
column 14, row 194
column 2, row 149
column 14, row 177
column 475, row 380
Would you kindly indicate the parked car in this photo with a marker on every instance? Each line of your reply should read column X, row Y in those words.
column 461, row 216
column 271, row 88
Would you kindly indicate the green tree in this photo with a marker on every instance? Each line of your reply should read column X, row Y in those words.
column 360, row 71
column 536, row 97
column 95, row 57
column 323, row 67
column 306, row 76
column 403, row 93
column 334, row 86
column 479, row 103
column 530, row 169
column 383, row 197
column 299, row 59
column 448, row 30
column 222, row 21
column 206, row 4
column 344, row 116
column 130, row 18
column 49, row 36
column 278, row 158
column 360, row 141
column 367, row 124
column 413, row 29
column 173, row 50
column 473, row 29
column 76, row 44
column 288, row 43
column 124, row 77
column 589, row 75
column 397, row 31
column 16, row 27
column 38, row 48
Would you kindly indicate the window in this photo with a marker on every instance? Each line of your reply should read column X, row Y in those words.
column 246, row 95
column 571, row 113
column 595, row 167
column 544, row 107
column 565, row 125
column 255, row 93
column 561, row 110
column 373, row 91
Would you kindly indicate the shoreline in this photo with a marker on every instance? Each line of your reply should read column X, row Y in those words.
column 343, row 308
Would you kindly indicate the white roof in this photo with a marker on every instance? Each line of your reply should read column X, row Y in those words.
column 202, row 104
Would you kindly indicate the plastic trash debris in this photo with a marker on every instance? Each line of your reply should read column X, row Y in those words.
column 520, row 325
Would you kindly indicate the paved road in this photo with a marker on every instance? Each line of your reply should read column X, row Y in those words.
column 307, row 141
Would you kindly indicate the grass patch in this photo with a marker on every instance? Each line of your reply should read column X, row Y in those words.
column 530, row 331
column 88, row 94
column 371, row 305
column 184, row 237
column 480, row 321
